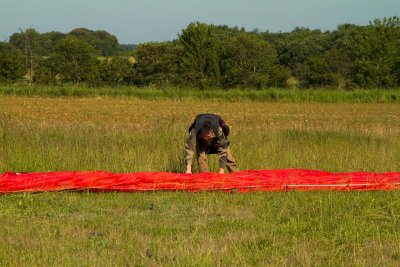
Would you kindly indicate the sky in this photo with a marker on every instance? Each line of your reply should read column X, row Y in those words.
column 134, row 22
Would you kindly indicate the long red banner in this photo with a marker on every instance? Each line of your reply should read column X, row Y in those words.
column 244, row 181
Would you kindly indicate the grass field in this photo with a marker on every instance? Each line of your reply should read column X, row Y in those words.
column 322, row 95
column 127, row 134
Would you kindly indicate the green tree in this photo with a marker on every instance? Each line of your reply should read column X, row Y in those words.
column 29, row 43
column 333, row 69
column 46, row 72
column 315, row 72
column 200, row 58
column 296, row 47
column 248, row 61
column 27, row 39
column 74, row 61
column 158, row 63
column 377, row 53
column 117, row 71
column 11, row 63
column 396, row 65
column 49, row 40
column 106, row 43
column 369, row 53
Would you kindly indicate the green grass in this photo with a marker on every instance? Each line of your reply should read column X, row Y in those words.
column 233, row 95
column 197, row 229
column 200, row 229
column 91, row 148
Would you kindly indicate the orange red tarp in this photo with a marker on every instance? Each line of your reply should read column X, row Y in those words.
column 244, row 181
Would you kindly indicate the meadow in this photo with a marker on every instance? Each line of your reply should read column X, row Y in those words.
column 324, row 95
column 131, row 134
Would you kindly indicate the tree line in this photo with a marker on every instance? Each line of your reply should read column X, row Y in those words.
column 211, row 56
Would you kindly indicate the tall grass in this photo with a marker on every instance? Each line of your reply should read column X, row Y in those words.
column 93, row 148
column 197, row 229
column 233, row 95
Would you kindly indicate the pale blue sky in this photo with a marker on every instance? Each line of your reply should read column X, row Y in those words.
column 135, row 22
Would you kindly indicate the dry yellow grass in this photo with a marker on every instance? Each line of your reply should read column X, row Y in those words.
column 142, row 114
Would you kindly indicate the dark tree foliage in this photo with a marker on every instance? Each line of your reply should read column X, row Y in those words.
column 295, row 47
column 376, row 54
column 208, row 56
column 199, row 63
column 46, row 72
column 158, row 63
column 49, row 40
column 28, row 39
column 106, row 43
column 363, row 56
column 29, row 44
column 74, row 61
column 116, row 71
column 248, row 61
column 12, row 66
